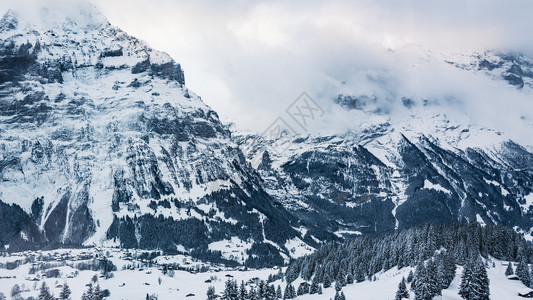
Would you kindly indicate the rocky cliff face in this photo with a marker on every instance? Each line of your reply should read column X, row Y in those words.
column 391, row 181
column 102, row 143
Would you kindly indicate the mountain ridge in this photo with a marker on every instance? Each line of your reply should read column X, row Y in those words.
column 103, row 143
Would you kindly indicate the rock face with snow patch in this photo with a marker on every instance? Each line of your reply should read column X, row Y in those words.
column 102, row 143
column 388, row 177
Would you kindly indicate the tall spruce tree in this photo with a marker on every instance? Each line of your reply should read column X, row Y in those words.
column 509, row 271
column 279, row 294
column 522, row 271
column 432, row 280
column 425, row 282
column 231, row 291
column 65, row 292
column 474, row 281
column 243, row 295
column 466, row 288
column 211, row 294
column 252, row 294
column 481, row 286
column 337, row 295
column 327, row 282
column 342, row 296
column 410, row 276
column 314, row 286
column 270, row 293
column 97, row 293
column 338, row 286
column 44, row 293
column 290, row 292
column 349, row 278
column 402, row 292
column 303, row 289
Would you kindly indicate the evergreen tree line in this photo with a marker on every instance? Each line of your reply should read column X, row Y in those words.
column 45, row 293
column 234, row 291
column 434, row 249
column 93, row 292
column 436, row 274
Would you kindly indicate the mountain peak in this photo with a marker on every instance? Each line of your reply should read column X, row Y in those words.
column 32, row 15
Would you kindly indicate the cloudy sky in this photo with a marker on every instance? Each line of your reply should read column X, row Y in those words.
column 249, row 59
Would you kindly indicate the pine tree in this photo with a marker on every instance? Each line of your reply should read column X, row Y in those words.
column 349, row 278
column 290, row 293
column 243, row 295
column 65, row 292
column 425, row 282
column 522, row 271
column 432, row 279
column 279, row 294
column 474, row 281
column 252, row 294
column 449, row 269
column 270, row 292
column 211, row 294
column 410, row 276
column 327, row 282
column 442, row 278
column 261, row 289
column 480, row 281
column 314, row 286
column 230, row 291
column 342, row 296
column 337, row 295
column 466, row 287
column 88, row 294
column 531, row 276
column 341, row 279
column 15, row 291
column 303, row 289
column 338, row 286
column 509, row 271
column 359, row 275
column 97, row 293
column 44, row 293
column 402, row 290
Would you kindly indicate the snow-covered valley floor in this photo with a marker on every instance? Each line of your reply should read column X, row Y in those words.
column 133, row 279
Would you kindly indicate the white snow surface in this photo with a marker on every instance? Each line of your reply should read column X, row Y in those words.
column 135, row 283
column 437, row 187
column 529, row 202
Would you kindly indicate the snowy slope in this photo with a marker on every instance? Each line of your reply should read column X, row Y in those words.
column 137, row 282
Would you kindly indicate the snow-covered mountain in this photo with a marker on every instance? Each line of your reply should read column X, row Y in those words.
column 101, row 143
column 423, row 160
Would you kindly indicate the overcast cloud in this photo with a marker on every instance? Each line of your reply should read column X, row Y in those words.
column 250, row 59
